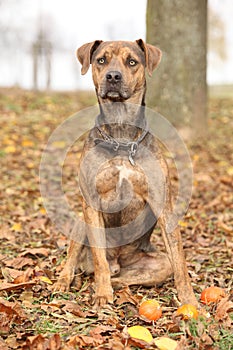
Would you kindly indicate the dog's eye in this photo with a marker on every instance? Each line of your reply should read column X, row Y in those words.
column 101, row 60
column 132, row 62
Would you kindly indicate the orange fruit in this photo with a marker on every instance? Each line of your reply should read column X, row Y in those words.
column 150, row 309
column 212, row 295
column 187, row 311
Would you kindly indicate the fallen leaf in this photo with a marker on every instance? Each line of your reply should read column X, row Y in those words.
column 73, row 308
column 10, row 274
column 49, row 308
column 35, row 342
column 206, row 339
column 13, row 310
column 17, row 227
column 36, row 251
column 165, row 343
column 10, row 149
column 4, row 323
column 3, row 345
column 12, row 286
column 125, row 296
column 19, row 262
column 84, row 341
column 140, row 332
column 54, row 343
column 26, row 295
column 27, row 143
column 25, row 276
column 223, row 308
column 6, row 233
column 230, row 170
column 45, row 279
column 225, row 227
column 101, row 329
column 182, row 223
column 43, row 211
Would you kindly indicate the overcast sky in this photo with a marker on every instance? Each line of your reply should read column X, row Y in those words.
column 71, row 23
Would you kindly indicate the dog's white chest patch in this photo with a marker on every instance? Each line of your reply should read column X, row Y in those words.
column 124, row 173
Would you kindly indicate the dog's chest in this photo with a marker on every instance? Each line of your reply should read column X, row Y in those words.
column 119, row 173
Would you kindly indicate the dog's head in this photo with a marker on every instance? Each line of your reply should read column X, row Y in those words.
column 118, row 67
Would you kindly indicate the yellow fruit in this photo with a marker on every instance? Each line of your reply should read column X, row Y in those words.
column 188, row 311
column 164, row 343
column 150, row 309
column 141, row 333
column 212, row 295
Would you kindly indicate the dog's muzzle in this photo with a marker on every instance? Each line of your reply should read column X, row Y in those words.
column 113, row 87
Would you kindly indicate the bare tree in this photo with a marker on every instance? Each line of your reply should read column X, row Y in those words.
column 41, row 48
column 179, row 89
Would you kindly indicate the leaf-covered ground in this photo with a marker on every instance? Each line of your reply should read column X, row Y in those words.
column 32, row 251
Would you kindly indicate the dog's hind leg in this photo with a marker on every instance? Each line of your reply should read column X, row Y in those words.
column 151, row 269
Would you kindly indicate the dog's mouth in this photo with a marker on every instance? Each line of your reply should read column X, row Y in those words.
column 117, row 96
column 114, row 94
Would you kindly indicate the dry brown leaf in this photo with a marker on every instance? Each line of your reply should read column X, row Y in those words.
column 125, row 296
column 225, row 227
column 35, row 342
column 12, row 342
column 39, row 342
column 19, row 262
column 3, row 345
column 12, row 286
column 73, row 308
column 101, row 329
column 54, row 342
column 6, row 233
column 10, row 312
column 24, row 277
column 84, row 340
column 206, row 339
column 35, row 251
column 12, row 309
column 48, row 308
column 4, row 323
column 223, row 308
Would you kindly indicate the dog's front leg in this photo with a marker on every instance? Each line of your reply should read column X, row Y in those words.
column 174, row 247
column 67, row 275
column 97, row 241
column 170, row 231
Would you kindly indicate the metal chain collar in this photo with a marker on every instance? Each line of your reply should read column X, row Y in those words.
column 130, row 146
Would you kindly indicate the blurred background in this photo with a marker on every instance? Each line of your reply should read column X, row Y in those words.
column 46, row 34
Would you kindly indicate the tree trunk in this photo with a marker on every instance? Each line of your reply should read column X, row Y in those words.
column 178, row 89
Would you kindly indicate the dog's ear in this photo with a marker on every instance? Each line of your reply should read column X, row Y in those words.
column 153, row 55
column 85, row 52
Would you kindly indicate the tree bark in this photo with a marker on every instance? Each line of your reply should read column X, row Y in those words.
column 178, row 89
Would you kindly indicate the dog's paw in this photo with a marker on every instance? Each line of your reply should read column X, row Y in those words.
column 188, row 298
column 62, row 285
column 103, row 296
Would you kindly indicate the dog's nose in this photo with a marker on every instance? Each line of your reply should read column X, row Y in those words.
column 113, row 76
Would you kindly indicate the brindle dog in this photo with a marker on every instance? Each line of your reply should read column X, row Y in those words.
column 122, row 198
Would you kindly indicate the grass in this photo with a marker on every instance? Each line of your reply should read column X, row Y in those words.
column 221, row 91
